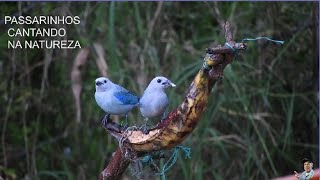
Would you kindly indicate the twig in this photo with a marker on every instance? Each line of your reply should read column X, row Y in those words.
column 226, row 49
column 216, row 12
column 47, row 62
column 25, row 134
column 142, row 76
column 154, row 19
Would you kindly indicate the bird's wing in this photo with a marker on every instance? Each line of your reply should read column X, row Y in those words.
column 126, row 97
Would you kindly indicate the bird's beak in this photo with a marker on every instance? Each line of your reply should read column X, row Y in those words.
column 172, row 84
column 98, row 83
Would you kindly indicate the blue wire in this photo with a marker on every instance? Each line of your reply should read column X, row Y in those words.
column 235, row 51
column 172, row 160
column 266, row 38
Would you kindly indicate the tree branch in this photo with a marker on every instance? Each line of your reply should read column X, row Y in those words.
column 116, row 167
column 181, row 121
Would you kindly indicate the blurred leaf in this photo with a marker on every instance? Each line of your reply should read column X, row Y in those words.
column 76, row 79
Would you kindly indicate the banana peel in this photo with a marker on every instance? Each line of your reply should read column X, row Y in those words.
column 182, row 120
column 179, row 123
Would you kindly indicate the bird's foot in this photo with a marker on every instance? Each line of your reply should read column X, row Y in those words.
column 162, row 119
column 124, row 127
column 144, row 129
column 105, row 120
column 112, row 126
column 164, row 116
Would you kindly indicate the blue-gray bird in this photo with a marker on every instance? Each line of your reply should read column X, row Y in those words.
column 154, row 101
column 114, row 99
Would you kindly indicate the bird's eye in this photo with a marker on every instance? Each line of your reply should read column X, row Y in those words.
column 105, row 81
column 159, row 80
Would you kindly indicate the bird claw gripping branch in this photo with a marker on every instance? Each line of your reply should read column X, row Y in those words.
column 182, row 120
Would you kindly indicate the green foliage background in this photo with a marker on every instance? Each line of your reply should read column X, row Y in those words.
column 262, row 118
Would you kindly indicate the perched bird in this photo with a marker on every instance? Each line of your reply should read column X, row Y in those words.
column 154, row 100
column 114, row 99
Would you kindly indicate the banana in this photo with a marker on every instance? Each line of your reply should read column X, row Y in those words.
column 181, row 121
